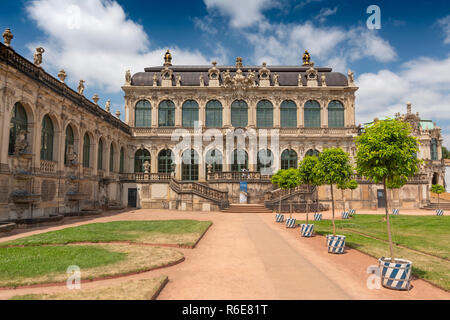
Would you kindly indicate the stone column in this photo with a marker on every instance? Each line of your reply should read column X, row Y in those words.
column 4, row 134
column 300, row 113
column 154, row 160
column 61, row 142
column 277, row 114
column 324, row 113
column 252, row 113
column 226, row 113
column 154, row 114
column 178, row 115
column 202, row 113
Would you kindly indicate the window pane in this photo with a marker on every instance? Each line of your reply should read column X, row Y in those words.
column 312, row 114
column 165, row 161
column 189, row 166
column 111, row 159
column 240, row 160
column 19, row 121
column 143, row 114
column 100, row 155
column 214, row 114
column 264, row 114
column 86, row 151
column 335, row 115
column 47, row 139
column 239, row 114
column 190, row 113
column 288, row 114
column 166, row 114
column 140, row 157
column 265, row 161
column 289, row 160
column 122, row 160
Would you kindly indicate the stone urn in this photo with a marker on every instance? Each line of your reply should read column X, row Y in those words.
column 25, row 197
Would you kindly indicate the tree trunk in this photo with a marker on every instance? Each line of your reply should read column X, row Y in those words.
column 439, row 201
column 279, row 210
column 307, row 217
column 332, row 205
column 391, row 247
column 343, row 199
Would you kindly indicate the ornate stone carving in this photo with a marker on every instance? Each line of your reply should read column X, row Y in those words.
column 81, row 87
column 155, row 80
column 128, row 78
column 168, row 59
column 21, row 143
column 38, row 56
column 202, row 80
column 178, row 80
column 71, row 155
column 306, row 58
column 300, row 80
column 146, row 166
column 311, row 75
column 118, row 114
column 351, row 78
column 62, row 76
column 276, row 77
column 95, row 98
column 239, row 80
column 323, row 79
column 239, row 64
column 7, row 37
column 264, row 72
column 108, row 106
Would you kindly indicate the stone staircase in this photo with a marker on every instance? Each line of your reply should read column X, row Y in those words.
column 247, row 208
column 434, row 206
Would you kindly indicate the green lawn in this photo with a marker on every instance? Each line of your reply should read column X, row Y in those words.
column 429, row 234
column 178, row 232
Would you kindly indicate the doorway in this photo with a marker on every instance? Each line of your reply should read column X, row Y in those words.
column 381, row 198
column 132, row 198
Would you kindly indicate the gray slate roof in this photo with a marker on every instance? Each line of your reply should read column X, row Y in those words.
column 190, row 75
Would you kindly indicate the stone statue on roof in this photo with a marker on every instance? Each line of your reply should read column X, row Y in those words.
column 128, row 77
column 81, row 87
column 38, row 56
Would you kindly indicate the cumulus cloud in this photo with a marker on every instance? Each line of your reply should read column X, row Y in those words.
column 445, row 25
column 95, row 41
column 325, row 13
column 423, row 81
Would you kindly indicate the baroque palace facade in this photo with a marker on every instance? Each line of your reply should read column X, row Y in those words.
column 191, row 135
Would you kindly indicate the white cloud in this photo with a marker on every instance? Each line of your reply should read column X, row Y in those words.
column 423, row 81
column 325, row 13
column 103, row 45
column 445, row 24
column 241, row 13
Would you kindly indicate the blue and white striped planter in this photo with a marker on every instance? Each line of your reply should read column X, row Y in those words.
column 336, row 244
column 291, row 223
column 396, row 275
column 345, row 215
column 439, row 212
column 318, row 217
column 279, row 218
column 395, row 212
column 307, row 230
column 352, row 212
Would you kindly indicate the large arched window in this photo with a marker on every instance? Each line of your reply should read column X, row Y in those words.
column 288, row 111
column 143, row 114
column 239, row 113
column 189, row 167
column 166, row 114
column 289, row 160
column 312, row 114
column 214, row 114
column 165, row 160
column 336, row 115
column 19, row 121
column 264, row 114
column 190, row 113
column 434, row 150
column 140, row 157
column 265, row 161
column 47, row 139
column 214, row 159
column 100, row 155
column 70, row 142
column 122, row 161
column 312, row 153
column 111, row 158
column 86, row 151
column 240, row 160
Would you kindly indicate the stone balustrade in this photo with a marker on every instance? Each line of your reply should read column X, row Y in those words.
column 48, row 167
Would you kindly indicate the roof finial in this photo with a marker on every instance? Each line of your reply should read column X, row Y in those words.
column 239, row 64
column 7, row 37
column 168, row 59
column 306, row 58
column 408, row 108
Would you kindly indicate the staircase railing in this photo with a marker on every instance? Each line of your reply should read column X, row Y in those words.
column 217, row 196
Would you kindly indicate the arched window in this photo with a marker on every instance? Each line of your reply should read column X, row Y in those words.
column 336, row 115
column 86, row 151
column 312, row 114
column 214, row 114
column 140, row 157
column 143, row 114
column 264, row 114
column 240, row 160
column 47, row 139
column 289, row 160
column 19, row 121
column 239, row 113
column 288, row 111
column 265, row 162
column 166, row 114
column 122, row 160
column 312, row 153
column 165, row 160
column 100, row 155
column 70, row 142
column 214, row 158
column 434, row 150
column 189, row 167
column 190, row 113
column 111, row 158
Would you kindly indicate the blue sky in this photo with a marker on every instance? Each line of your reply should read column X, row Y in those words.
column 97, row 40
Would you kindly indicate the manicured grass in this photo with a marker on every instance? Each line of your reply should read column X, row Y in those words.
column 130, row 290
column 43, row 265
column 428, row 234
column 178, row 232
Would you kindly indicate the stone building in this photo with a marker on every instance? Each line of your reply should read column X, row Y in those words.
column 191, row 135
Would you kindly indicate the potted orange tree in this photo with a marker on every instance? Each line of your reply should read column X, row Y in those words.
column 285, row 180
column 386, row 154
column 438, row 189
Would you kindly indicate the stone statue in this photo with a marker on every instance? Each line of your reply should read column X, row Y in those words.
column 71, row 155
column 324, row 80
column 251, row 76
column 178, row 80
column 118, row 114
column 155, row 79
column 146, row 166
column 81, row 87
column 7, row 37
column 21, row 143
column 108, row 106
column 202, row 80
column 95, row 98
column 239, row 64
column 62, row 76
column 276, row 77
column 227, row 78
column 300, row 82
column 38, row 56
column 351, row 77
column 128, row 77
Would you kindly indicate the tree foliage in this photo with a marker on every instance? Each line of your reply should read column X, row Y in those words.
column 445, row 153
column 348, row 185
column 286, row 179
column 307, row 171
column 334, row 167
column 437, row 189
column 386, row 152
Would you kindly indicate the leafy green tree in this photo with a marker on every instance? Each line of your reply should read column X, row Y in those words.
column 307, row 175
column 445, row 153
column 334, row 168
column 386, row 155
column 348, row 185
column 286, row 179
column 438, row 189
